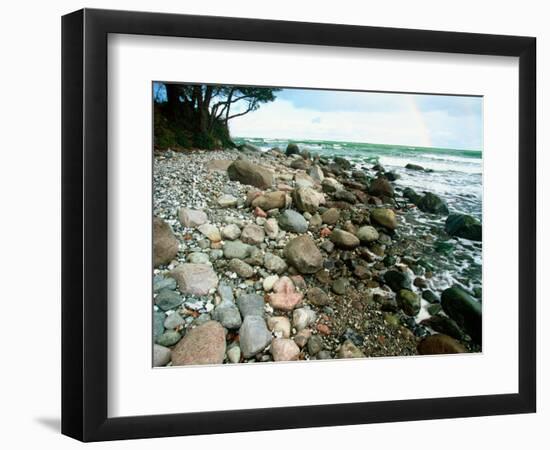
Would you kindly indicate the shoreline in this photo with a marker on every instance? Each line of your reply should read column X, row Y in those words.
column 354, row 289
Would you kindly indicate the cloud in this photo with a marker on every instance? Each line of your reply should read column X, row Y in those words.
column 400, row 119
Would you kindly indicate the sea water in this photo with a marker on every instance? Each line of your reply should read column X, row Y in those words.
column 454, row 175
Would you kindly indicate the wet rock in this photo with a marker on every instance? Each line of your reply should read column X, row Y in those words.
column 231, row 232
column 292, row 221
column 342, row 162
column 385, row 217
column 444, row 325
column 284, row 350
column 343, row 239
column 253, row 336
column 195, row 279
column 345, row 196
column 245, row 172
column 192, row 218
column 251, row 305
column 381, row 187
column 316, row 296
column 397, row 280
column 464, row 309
column 464, row 226
column 367, row 234
column 432, row 203
column 241, row 268
column 279, row 325
column 434, row 309
column 161, row 355
column 420, row 282
column 414, row 167
column 165, row 244
column 274, row 263
column 439, row 344
column 270, row 200
column 236, row 249
column 292, row 149
column 349, row 350
column 204, row 344
column 411, row 195
column 409, row 302
column 430, row 297
column 302, row 253
column 284, row 296
column 228, row 315
column 307, row 199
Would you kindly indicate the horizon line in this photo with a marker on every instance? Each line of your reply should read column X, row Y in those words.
column 359, row 142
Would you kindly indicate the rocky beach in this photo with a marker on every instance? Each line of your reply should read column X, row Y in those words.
column 288, row 255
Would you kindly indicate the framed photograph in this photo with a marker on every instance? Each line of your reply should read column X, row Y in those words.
column 273, row 224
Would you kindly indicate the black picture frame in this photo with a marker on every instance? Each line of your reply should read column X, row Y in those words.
column 84, row 224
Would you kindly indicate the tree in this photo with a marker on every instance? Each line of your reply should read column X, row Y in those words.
column 204, row 111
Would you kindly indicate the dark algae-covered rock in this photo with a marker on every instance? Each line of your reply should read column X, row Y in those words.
column 432, row 203
column 464, row 310
column 397, row 280
column 409, row 302
column 464, row 226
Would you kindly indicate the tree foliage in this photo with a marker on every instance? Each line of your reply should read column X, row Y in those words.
column 201, row 113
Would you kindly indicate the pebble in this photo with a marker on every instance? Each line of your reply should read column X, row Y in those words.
column 173, row 321
column 161, row 355
column 168, row 299
column 274, row 263
column 253, row 335
column 269, row 282
column 284, row 350
column 231, row 232
column 234, row 354
column 241, row 268
column 236, row 249
column 227, row 201
column 168, row 338
column 251, row 305
column 198, row 258
column 279, row 324
column 302, row 317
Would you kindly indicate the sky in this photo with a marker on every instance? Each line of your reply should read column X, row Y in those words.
column 380, row 118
